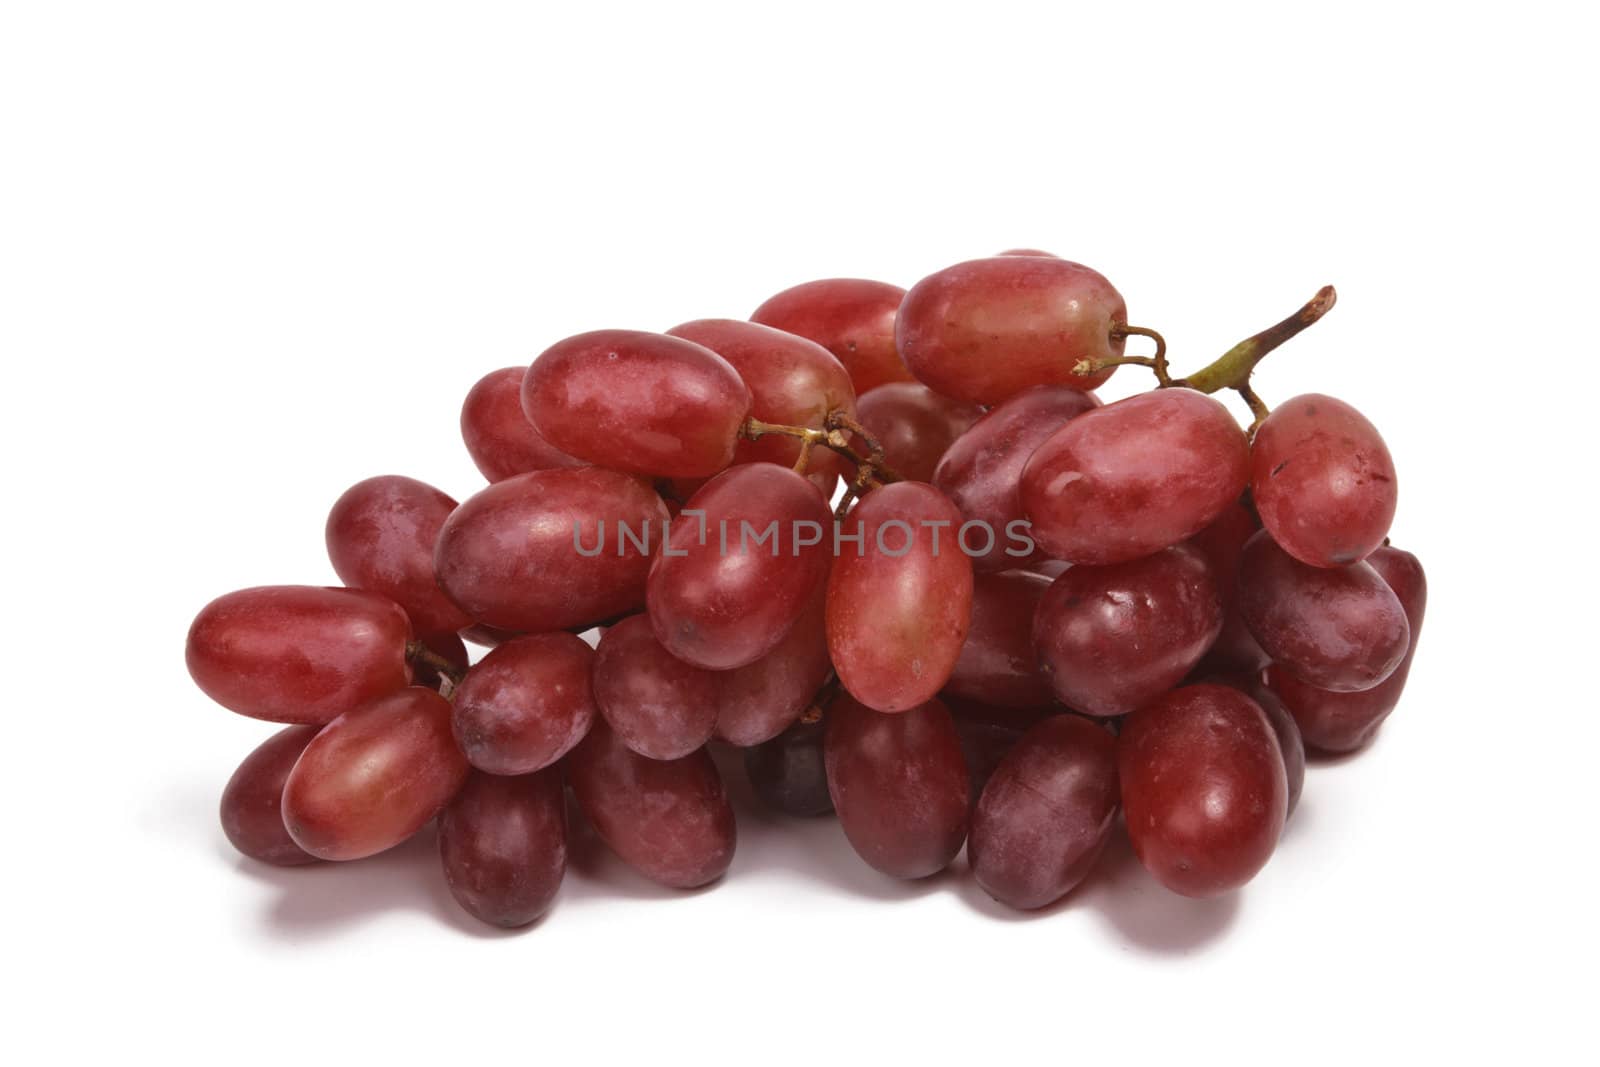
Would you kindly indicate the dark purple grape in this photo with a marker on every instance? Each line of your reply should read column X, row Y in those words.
column 1113, row 638
column 1046, row 813
column 787, row 772
column 503, row 844
column 900, row 785
column 1337, row 628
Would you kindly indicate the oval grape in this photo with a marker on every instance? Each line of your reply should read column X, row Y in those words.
column 503, row 846
column 1203, row 788
column 981, row 472
column 985, row 330
column 851, row 317
column 787, row 771
column 658, row 705
column 1111, row 639
column 899, row 598
column 499, row 437
column 639, row 402
column 551, row 549
column 1046, row 813
column 915, row 426
column 998, row 664
column 298, row 653
column 1134, row 477
column 900, row 785
column 374, row 776
column 252, row 802
column 670, row 820
column 380, row 536
column 1322, row 480
column 793, row 381
column 1344, row 722
column 739, row 563
column 1338, row 628
column 525, row 704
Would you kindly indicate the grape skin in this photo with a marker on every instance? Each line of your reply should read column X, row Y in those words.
column 380, row 536
column 1345, row 722
column 639, row 402
column 853, row 318
column 509, row 555
column 1334, row 628
column 1046, row 813
column 985, row 330
column 1323, row 481
column 525, row 704
column 1111, row 639
column 981, row 472
column 1134, row 477
column 899, row 784
column 503, row 846
column 896, row 624
column 1235, row 650
column 497, row 433
column 724, row 600
column 252, row 801
column 374, row 776
column 1203, row 788
column 914, row 425
column 670, row 820
column 298, row 653
column 658, row 705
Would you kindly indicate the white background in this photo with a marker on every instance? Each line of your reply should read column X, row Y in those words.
column 253, row 253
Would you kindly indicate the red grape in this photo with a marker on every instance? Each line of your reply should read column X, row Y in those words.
column 1338, row 628
column 900, row 603
column 548, row 550
column 998, row 665
column 983, row 745
column 1322, row 481
column 793, row 382
column 982, row 471
column 374, row 776
column 1133, row 477
column 1290, row 744
column 252, row 802
column 525, row 704
column 1221, row 543
column 668, row 819
column 503, row 844
column 298, row 653
column 1344, row 722
column 1111, row 639
column 900, row 785
column 787, row 771
column 985, row 330
column 1203, row 788
column 658, row 705
column 914, row 425
column 639, row 402
column 380, row 536
column 758, row 701
column 851, row 317
column 499, row 437
column 1046, row 813
column 732, row 578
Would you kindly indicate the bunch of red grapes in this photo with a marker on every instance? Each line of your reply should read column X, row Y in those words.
column 1029, row 619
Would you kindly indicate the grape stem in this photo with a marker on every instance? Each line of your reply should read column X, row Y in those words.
column 1157, row 362
column 419, row 653
column 871, row 469
column 1232, row 370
